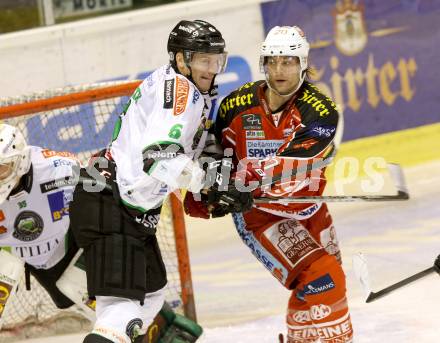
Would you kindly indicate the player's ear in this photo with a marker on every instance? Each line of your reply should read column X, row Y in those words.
column 181, row 65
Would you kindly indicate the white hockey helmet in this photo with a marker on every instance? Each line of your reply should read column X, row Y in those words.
column 14, row 159
column 286, row 41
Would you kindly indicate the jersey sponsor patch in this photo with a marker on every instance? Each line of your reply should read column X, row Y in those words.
column 28, row 226
column 320, row 285
column 255, row 134
column 319, row 312
column 306, row 145
column 55, row 184
column 150, row 221
column 262, row 148
column 251, row 122
column 322, row 130
column 60, row 162
column 196, row 96
column 182, row 90
column 292, row 241
column 168, row 94
column 50, row 153
column 58, row 204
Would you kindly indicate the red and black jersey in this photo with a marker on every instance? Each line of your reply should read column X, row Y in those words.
column 298, row 139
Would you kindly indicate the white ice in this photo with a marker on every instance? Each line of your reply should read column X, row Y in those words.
column 238, row 301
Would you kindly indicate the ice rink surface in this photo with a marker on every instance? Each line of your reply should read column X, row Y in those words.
column 238, row 301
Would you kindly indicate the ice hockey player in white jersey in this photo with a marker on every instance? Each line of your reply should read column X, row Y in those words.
column 36, row 186
column 154, row 145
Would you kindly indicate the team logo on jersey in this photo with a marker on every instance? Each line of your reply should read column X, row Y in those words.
column 58, row 204
column 251, row 122
column 182, row 90
column 168, row 94
column 28, row 226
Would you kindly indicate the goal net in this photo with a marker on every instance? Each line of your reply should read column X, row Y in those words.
column 81, row 120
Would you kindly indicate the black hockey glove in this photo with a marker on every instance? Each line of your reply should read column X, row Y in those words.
column 222, row 196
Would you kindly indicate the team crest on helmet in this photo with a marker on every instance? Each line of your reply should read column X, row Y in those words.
column 351, row 34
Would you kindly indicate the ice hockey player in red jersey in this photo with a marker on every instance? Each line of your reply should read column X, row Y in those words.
column 285, row 126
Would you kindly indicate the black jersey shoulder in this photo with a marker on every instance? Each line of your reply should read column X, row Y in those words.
column 314, row 105
column 239, row 101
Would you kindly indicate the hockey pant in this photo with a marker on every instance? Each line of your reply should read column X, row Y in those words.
column 304, row 256
column 124, row 265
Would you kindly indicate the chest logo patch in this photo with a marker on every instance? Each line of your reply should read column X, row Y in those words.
column 28, row 226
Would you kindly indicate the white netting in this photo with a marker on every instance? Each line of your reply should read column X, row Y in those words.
column 82, row 129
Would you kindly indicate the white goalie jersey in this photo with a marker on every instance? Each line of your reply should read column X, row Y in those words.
column 34, row 220
column 157, row 138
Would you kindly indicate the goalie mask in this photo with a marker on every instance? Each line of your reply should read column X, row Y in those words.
column 14, row 159
column 285, row 41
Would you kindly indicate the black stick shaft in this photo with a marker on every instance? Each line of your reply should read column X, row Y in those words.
column 379, row 294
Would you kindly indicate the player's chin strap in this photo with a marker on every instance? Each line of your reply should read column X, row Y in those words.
column 11, row 269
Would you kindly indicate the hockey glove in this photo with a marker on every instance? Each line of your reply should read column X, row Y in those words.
column 196, row 208
column 223, row 196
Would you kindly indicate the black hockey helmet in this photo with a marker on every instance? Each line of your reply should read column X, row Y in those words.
column 194, row 36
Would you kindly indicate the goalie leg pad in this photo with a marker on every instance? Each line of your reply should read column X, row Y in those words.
column 11, row 269
column 116, row 266
column 170, row 327
column 73, row 283
column 94, row 338
column 152, row 304
column 48, row 277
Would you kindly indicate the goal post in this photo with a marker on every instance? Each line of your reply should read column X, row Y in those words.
column 80, row 120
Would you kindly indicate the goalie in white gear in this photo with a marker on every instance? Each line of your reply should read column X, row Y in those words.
column 36, row 186
column 156, row 140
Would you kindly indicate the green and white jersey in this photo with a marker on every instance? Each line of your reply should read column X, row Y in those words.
column 162, row 130
column 34, row 219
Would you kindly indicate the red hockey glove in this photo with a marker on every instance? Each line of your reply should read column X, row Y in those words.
column 195, row 208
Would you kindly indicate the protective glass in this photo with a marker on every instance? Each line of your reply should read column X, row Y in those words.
column 205, row 62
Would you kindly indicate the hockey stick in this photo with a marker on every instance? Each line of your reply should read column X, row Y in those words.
column 396, row 175
column 361, row 272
